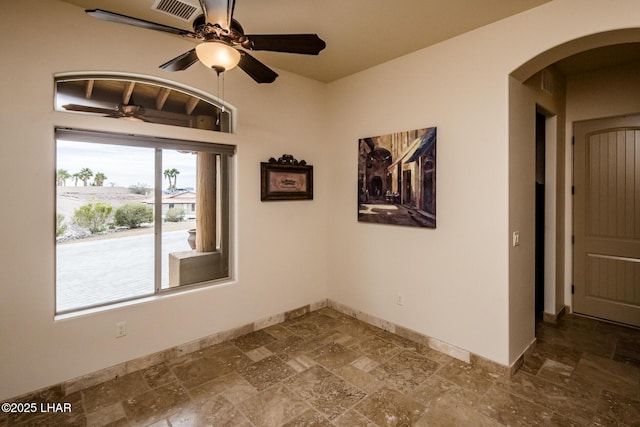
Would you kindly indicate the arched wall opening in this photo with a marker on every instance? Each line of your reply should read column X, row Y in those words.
column 573, row 47
column 541, row 84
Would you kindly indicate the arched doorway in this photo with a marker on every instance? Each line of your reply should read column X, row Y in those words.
column 607, row 50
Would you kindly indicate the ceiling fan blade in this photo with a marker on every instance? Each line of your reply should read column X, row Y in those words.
column 306, row 44
column 141, row 23
column 218, row 12
column 181, row 62
column 256, row 69
column 88, row 109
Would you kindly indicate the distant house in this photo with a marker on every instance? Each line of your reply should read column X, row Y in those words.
column 182, row 199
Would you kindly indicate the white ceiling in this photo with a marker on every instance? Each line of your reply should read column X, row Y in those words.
column 359, row 33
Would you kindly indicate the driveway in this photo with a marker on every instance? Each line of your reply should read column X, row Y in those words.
column 98, row 271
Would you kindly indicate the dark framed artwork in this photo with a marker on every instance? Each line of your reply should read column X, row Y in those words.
column 397, row 178
column 286, row 179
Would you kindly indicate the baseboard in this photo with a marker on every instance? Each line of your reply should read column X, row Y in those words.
column 523, row 357
column 554, row 318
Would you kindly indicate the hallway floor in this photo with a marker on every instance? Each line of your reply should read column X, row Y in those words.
column 328, row 369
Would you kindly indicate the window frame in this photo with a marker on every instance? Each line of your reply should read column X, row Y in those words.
column 224, row 208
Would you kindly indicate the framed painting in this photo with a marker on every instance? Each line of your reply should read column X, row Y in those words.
column 286, row 179
column 397, row 178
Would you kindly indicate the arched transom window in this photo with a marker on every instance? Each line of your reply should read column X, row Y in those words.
column 140, row 99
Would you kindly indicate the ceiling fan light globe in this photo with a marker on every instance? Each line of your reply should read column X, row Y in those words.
column 217, row 55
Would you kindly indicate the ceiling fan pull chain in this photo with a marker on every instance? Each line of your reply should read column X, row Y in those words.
column 218, row 96
column 223, row 103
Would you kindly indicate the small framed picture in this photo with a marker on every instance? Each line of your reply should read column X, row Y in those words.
column 286, row 179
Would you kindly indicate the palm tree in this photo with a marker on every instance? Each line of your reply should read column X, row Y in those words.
column 62, row 175
column 171, row 173
column 99, row 179
column 84, row 175
column 167, row 174
column 76, row 177
column 175, row 172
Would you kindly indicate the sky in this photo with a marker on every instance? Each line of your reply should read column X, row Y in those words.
column 123, row 165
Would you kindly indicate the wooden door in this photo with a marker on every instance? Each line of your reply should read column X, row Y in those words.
column 607, row 219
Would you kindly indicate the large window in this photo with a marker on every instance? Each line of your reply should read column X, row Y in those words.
column 138, row 216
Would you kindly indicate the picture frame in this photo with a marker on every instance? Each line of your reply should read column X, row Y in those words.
column 397, row 178
column 286, row 179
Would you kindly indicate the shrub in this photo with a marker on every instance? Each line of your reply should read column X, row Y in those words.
column 61, row 227
column 92, row 217
column 132, row 215
column 174, row 214
column 140, row 189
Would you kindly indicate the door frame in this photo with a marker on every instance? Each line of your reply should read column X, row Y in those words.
column 589, row 125
column 551, row 267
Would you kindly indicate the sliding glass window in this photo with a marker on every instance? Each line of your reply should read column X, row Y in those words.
column 138, row 216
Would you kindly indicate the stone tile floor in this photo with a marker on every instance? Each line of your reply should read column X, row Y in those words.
column 328, row 369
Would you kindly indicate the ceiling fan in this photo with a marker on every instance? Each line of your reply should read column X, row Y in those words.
column 220, row 38
column 122, row 111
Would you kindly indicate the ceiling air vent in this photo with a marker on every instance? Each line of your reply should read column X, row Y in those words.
column 177, row 8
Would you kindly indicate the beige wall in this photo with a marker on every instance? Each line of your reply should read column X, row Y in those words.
column 463, row 282
column 456, row 279
column 456, row 275
column 280, row 252
column 524, row 100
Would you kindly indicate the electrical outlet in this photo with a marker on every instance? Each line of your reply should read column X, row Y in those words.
column 400, row 299
column 121, row 329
